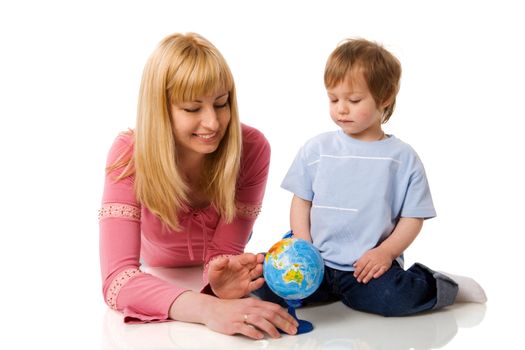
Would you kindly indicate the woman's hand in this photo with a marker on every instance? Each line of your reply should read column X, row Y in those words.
column 236, row 276
column 250, row 317
column 372, row 264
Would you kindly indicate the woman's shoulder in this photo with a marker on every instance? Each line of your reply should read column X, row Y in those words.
column 252, row 137
column 126, row 137
column 122, row 146
column 256, row 150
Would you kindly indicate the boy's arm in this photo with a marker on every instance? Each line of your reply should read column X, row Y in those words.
column 300, row 218
column 403, row 235
column 377, row 261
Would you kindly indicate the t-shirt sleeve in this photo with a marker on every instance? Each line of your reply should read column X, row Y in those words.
column 298, row 179
column 141, row 297
column 418, row 200
column 231, row 238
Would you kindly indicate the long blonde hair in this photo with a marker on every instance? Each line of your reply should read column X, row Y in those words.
column 182, row 68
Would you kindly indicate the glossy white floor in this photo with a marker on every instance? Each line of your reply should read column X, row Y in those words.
column 336, row 327
column 69, row 76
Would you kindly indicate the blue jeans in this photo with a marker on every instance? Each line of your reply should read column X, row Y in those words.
column 397, row 292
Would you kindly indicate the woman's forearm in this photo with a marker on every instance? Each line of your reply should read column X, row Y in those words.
column 191, row 306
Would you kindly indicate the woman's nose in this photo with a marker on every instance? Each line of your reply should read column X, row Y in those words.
column 210, row 119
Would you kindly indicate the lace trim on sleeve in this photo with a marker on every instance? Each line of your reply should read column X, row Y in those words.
column 117, row 284
column 118, row 210
column 248, row 211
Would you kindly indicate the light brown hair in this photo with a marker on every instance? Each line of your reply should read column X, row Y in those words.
column 381, row 70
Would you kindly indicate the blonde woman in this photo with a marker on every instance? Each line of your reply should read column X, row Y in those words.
column 182, row 189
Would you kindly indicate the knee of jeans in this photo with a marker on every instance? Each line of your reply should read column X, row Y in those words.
column 387, row 303
column 398, row 304
column 393, row 312
column 378, row 307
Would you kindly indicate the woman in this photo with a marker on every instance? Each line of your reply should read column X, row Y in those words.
column 184, row 188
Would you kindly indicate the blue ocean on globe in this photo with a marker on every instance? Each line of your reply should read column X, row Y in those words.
column 293, row 268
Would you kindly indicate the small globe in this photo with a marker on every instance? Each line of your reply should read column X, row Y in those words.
column 293, row 268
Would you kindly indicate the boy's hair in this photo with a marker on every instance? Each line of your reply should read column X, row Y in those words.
column 381, row 70
column 182, row 68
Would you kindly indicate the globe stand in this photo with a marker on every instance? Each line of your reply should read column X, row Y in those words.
column 304, row 326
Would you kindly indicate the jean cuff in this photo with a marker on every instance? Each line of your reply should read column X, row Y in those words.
column 446, row 288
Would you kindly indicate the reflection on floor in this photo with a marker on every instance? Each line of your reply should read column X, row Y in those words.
column 336, row 327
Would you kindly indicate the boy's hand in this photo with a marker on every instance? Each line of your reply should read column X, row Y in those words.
column 372, row 264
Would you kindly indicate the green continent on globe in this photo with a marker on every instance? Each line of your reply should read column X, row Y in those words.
column 293, row 275
column 293, row 268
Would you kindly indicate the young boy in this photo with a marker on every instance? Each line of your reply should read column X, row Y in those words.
column 361, row 196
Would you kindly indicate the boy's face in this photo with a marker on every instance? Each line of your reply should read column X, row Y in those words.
column 353, row 108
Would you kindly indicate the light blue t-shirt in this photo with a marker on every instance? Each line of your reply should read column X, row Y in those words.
column 358, row 190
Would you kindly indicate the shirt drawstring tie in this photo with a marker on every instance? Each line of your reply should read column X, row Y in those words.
column 189, row 241
column 189, row 244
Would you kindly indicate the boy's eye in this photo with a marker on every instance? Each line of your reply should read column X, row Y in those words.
column 354, row 101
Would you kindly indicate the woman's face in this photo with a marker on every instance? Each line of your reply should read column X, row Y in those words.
column 200, row 125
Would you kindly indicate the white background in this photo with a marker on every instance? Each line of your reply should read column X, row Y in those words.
column 69, row 77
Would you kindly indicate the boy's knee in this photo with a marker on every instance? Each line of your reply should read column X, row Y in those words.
column 385, row 303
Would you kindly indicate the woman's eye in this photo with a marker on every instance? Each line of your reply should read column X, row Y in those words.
column 221, row 105
column 191, row 110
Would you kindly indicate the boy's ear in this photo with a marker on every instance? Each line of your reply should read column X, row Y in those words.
column 388, row 102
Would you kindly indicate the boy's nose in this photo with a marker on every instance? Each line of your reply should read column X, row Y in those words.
column 342, row 108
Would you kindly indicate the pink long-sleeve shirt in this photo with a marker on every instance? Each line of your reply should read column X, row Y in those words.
column 129, row 232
